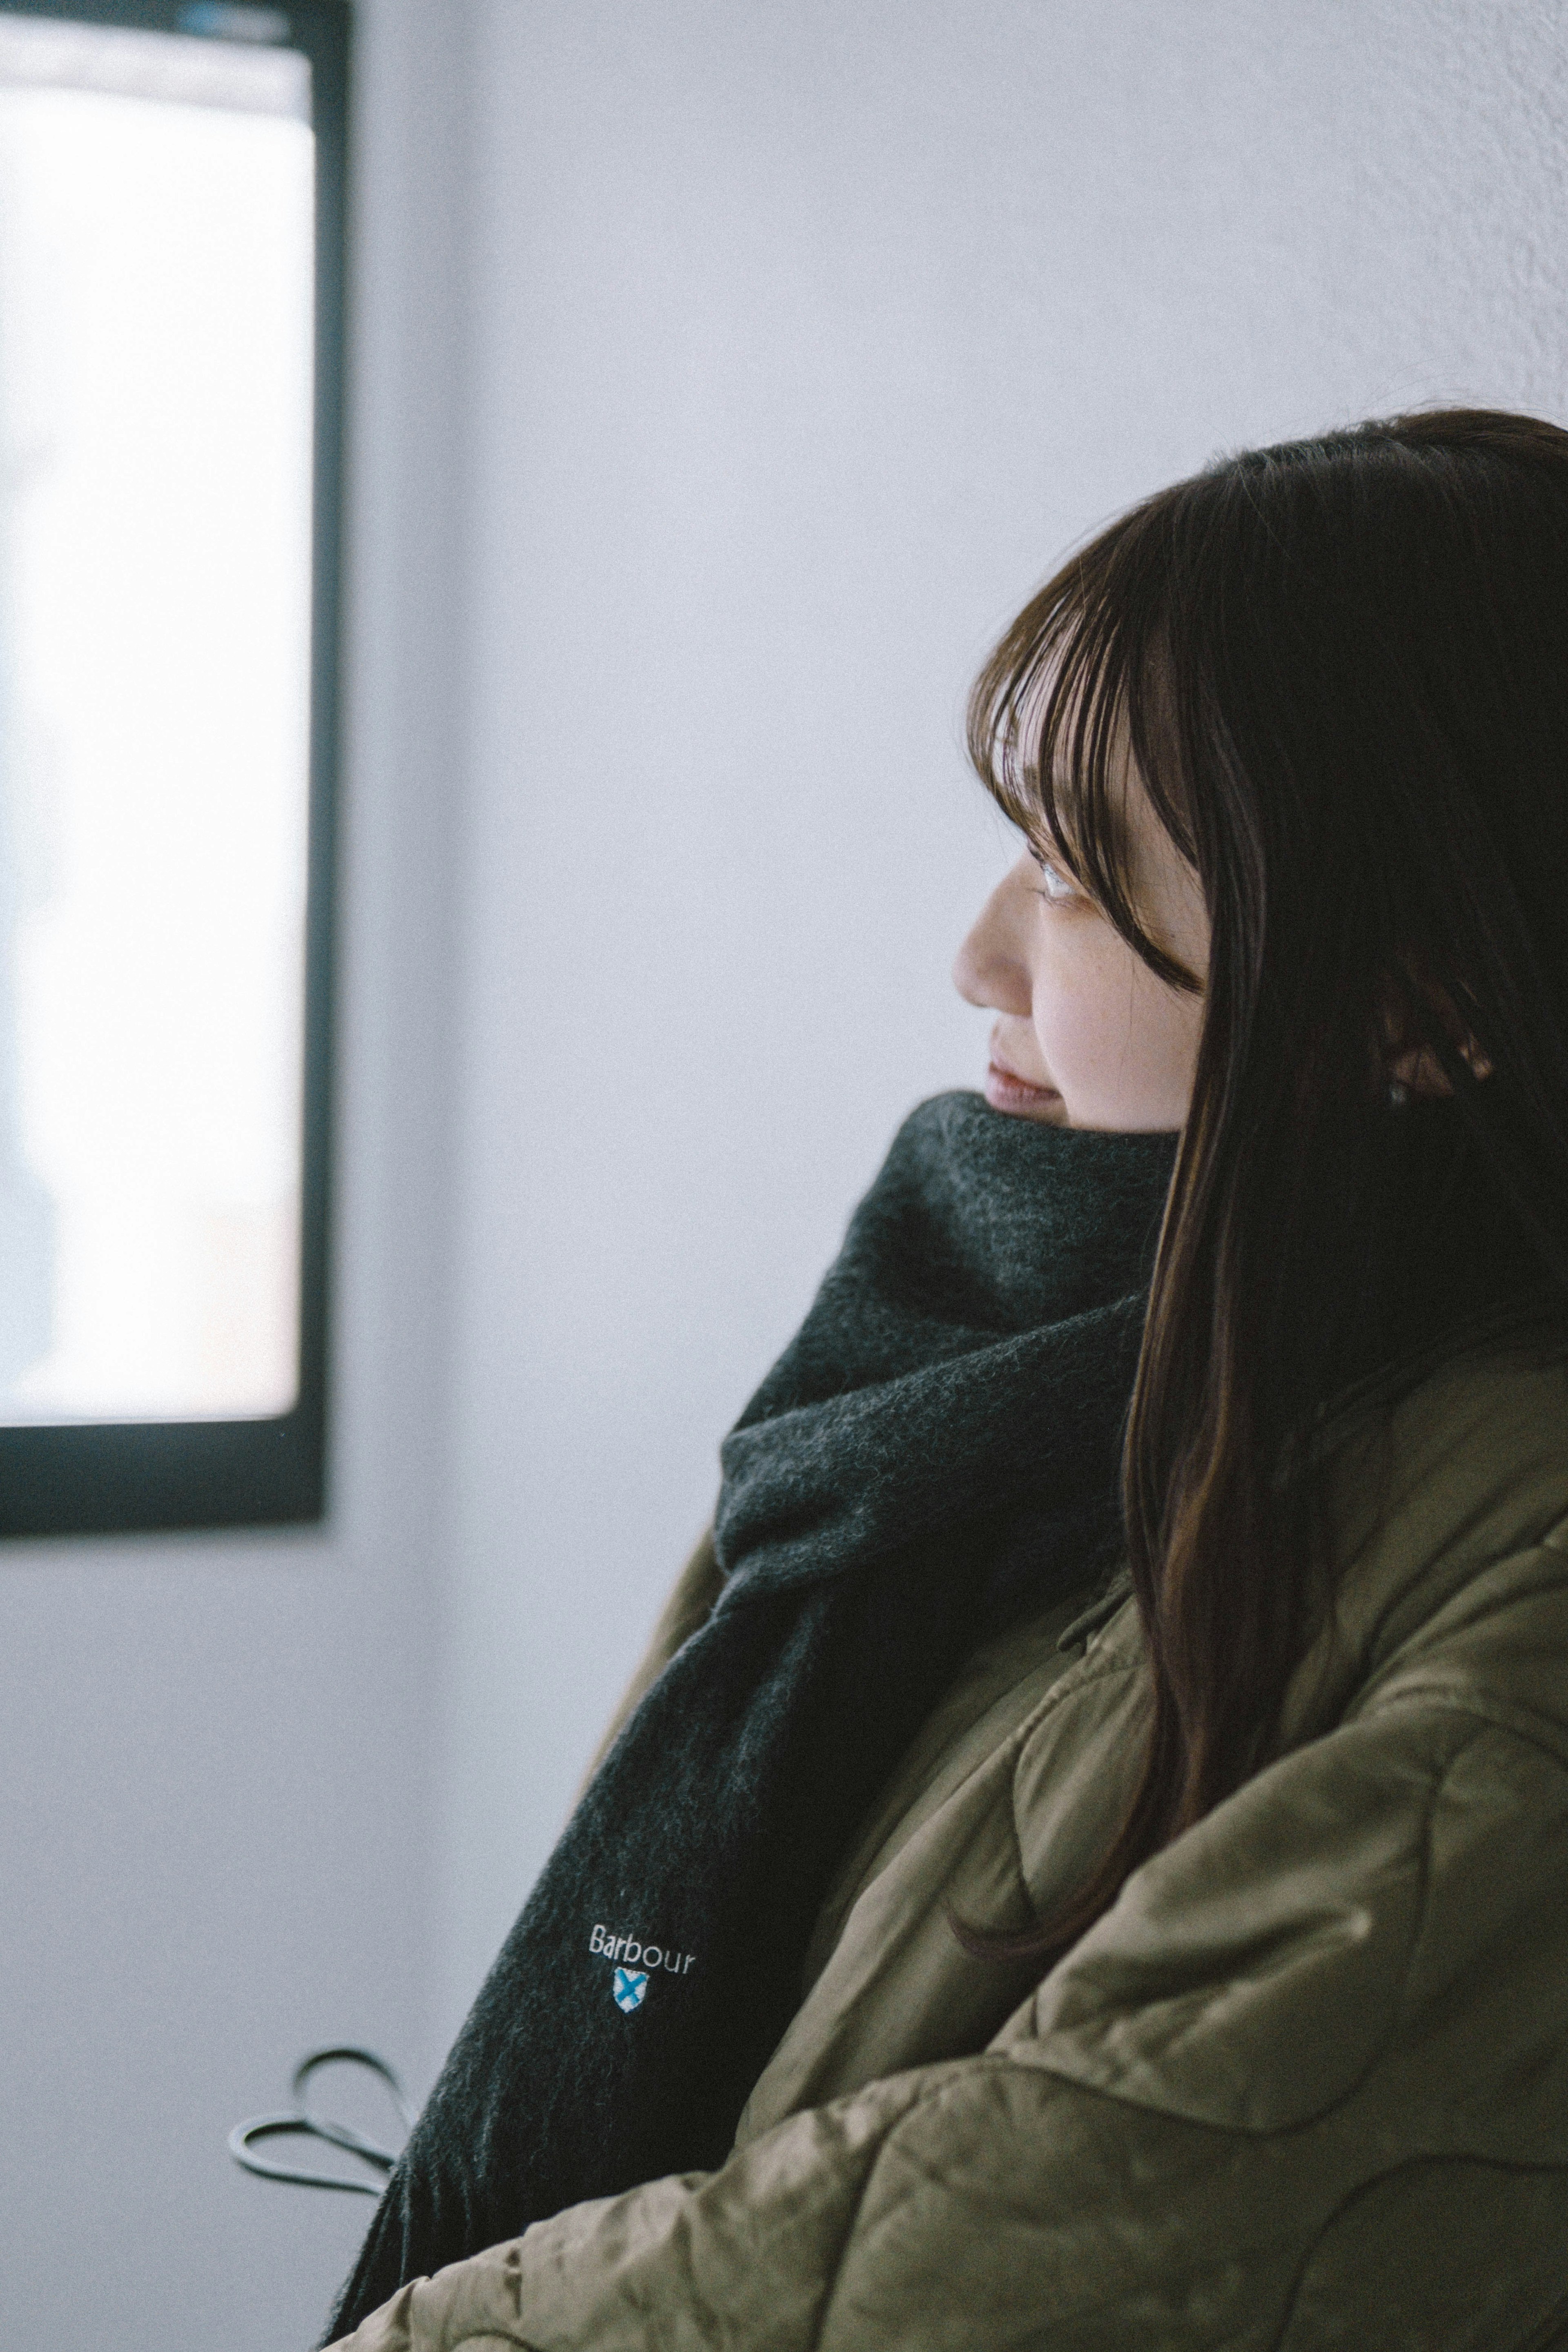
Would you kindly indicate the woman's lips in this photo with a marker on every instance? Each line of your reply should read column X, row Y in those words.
column 1005, row 1090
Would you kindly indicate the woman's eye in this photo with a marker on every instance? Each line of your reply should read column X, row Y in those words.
column 1057, row 884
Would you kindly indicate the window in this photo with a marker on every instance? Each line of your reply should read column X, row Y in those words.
column 171, row 265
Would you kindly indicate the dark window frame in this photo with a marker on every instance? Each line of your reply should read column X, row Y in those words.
column 119, row 1477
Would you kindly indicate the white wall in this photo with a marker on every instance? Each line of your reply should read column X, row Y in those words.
column 806, row 338
column 726, row 370
column 216, row 1837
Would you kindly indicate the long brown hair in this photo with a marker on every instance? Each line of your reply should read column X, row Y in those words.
column 1340, row 666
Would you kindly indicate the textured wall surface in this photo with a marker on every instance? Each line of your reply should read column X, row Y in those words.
column 726, row 373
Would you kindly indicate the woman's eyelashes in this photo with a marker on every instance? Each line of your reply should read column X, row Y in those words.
column 1057, row 884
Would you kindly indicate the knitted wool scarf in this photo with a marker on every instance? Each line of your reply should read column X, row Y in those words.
column 934, row 1454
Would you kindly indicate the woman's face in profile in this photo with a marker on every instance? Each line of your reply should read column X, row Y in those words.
column 1086, row 1034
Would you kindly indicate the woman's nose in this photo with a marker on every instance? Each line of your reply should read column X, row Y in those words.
column 991, row 969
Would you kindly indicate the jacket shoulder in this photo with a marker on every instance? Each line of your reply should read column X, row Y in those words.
column 1448, row 1516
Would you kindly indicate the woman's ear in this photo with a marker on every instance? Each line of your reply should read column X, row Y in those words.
column 1406, row 1061
column 1418, row 1068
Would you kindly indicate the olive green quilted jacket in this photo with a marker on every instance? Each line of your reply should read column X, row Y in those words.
column 1305, row 2085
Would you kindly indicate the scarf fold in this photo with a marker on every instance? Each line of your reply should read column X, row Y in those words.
column 934, row 1454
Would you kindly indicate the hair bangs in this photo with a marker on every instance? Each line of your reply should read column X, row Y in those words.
column 1067, row 719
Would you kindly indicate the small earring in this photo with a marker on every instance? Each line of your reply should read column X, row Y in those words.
column 1398, row 1094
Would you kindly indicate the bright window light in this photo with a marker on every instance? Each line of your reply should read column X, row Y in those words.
column 157, row 249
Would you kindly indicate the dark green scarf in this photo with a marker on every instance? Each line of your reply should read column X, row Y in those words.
column 935, row 1454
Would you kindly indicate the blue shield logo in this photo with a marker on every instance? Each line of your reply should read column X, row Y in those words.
column 628, row 1986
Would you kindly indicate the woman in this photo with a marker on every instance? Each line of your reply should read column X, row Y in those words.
column 1086, row 1863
